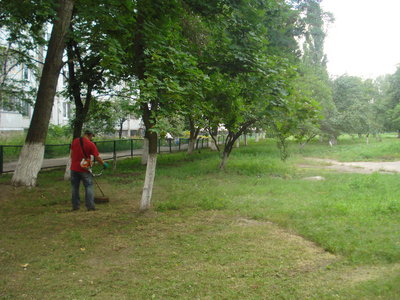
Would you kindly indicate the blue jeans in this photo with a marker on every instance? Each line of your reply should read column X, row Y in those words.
column 87, row 179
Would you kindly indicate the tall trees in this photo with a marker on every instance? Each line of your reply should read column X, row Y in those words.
column 252, row 66
column 31, row 157
column 313, row 71
column 89, row 48
column 389, row 95
column 354, row 99
column 156, row 57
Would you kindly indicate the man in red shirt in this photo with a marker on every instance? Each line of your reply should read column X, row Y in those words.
column 83, row 147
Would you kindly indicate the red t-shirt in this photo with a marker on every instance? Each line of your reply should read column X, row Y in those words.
column 77, row 153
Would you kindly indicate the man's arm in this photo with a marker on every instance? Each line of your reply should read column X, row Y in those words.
column 101, row 161
column 97, row 157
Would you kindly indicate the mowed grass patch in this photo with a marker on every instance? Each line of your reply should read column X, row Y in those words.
column 355, row 215
column 115, row 253
column 256, row 230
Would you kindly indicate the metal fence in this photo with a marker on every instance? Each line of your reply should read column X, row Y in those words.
column 57, row 155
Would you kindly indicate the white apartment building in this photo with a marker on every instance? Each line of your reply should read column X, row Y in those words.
column 18, row 120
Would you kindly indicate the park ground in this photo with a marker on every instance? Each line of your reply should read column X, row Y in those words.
column 261, row 229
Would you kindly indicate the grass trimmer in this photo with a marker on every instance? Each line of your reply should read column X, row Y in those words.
column 97, row 199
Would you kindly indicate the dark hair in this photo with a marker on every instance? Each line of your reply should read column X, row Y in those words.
column 89, row 132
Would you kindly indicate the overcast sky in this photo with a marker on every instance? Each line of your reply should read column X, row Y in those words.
column 364, row 40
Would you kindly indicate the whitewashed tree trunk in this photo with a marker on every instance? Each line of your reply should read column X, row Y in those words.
column 237, row 143
column 223, row 161
column 145, row 153
column 191, row 145
column 29, row 164
column 212, row 143
column 257, row 138
column 148, row 182
column 67, row 173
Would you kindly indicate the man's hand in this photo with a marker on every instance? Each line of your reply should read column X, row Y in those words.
column 105, row 165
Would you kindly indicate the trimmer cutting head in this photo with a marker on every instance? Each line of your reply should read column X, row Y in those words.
column 100, row 200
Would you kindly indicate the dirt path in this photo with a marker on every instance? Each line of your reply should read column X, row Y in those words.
column 354, row 167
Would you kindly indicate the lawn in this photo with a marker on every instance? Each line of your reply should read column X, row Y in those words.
column 257, row 230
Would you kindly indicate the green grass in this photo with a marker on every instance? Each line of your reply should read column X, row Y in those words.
column 257, row 230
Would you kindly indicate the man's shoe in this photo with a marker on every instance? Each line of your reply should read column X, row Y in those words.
column 91, row 209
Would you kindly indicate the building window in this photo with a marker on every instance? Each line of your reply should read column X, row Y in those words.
column 15, row 105
column 66, row 110
column 25, row 72
column 25, row 109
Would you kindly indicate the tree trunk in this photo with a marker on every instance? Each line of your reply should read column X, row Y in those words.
column 257, row 138
column 67, row 173
column 229, row 143
column 74, row 90
column 224, row 160
column 148, row 182
column 29, row 164
column 121, row 123
column 231, row 139
column 213, row 143
column 150, row 172
column 145, row 153
column 147, row 109
column 237, row 143
column 75, row 85
column 332, row 141
column 214, row 136
column 194, row 133
column 191, row 145
column 31, row 157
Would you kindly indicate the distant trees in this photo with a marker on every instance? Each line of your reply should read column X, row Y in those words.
column 389, row 100
column 355, row 100
column 314, row 79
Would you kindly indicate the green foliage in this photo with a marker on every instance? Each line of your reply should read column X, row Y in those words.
column 314, row 81
column 102, row 118
column 355, row 101
column 59, row 131
column 389, row 99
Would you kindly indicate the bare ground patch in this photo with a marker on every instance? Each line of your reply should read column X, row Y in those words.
column 352, row 167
